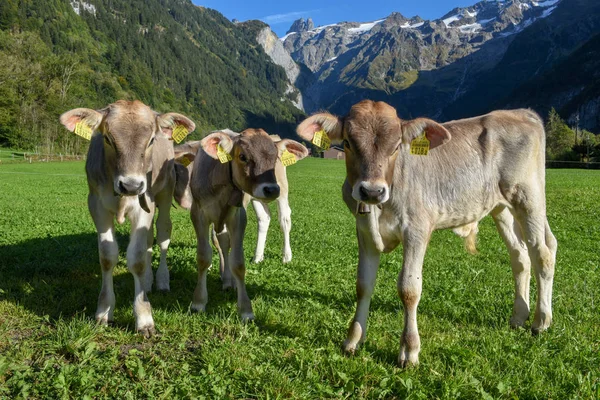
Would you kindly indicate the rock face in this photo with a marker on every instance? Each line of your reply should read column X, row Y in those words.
column 424, row 65
column 302, row 25
column 275, row 50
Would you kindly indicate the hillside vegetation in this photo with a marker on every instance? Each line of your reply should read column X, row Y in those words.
column 170, row 54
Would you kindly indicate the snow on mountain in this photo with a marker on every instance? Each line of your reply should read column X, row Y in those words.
column 365, row 27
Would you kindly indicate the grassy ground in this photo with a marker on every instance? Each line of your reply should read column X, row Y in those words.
column 50, row 279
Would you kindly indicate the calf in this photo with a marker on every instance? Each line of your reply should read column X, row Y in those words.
column 183, row 196
column 488, row 164
column 227, row 166
column 130, row 172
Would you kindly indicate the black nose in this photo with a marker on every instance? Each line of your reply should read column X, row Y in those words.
column 130, row 187
column 271, row 191
column 372, row 193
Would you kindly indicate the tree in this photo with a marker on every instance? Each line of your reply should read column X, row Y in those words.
column 560, row 139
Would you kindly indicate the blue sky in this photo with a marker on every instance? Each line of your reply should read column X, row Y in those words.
column 280, row 13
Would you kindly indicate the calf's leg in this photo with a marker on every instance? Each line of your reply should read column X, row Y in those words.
column 163, row 236
column 511, row 234
column 203, row 259
column 137, row 263
column 285, row 221
column 368, row 264
column 108, row 250
column 224, row 245
column 541, row 245
column 410, row 284
column 236, row 225
column 263, row 216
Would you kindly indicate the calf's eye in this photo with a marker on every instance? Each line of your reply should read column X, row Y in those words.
column 243, row 158
column 151, row 141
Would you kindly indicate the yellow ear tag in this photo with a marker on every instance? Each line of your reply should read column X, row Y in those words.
column 420, row 145
column 179, row 133
column 287, row 158
column 321, row 140
column 84, row 130
column 184, row 161
column 224, row 156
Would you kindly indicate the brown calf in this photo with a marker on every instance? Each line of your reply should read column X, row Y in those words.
column 492, row 164
column 186, row 153
column 130, row 172
column 217, row 191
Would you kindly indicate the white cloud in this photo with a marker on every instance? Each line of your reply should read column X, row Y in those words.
column 287, row 17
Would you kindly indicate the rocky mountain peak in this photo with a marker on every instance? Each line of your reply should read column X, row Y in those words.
column 301, row 25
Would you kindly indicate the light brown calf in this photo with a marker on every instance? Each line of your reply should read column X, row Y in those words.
column 130, row 172
column 492, row 164
column 183, row 196
column 217, row 191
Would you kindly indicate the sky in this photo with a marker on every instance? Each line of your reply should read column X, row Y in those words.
column 280, row 14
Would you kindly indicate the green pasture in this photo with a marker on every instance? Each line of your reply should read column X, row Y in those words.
column 50, row 346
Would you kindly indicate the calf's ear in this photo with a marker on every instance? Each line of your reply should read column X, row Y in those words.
column 435, row 133
column 211, row 143
column 91, row 118
column 167, row 122
column 331, row 124
column 297, row 149
column 187, row 150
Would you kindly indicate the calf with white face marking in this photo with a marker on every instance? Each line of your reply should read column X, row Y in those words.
column 226, row 167
column 130, row 172
column 186, row 153
column 492, row 164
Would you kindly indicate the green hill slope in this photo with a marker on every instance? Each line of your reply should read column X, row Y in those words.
column 168, row 53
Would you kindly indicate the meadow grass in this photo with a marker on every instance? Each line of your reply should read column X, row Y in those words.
column 51, row 347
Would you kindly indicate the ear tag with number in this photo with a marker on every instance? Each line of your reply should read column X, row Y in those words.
column 84, row 130
column 184, row 161
column 179, row 133
column 321, row 140
column 420, row 145
column 223, row 156
column 287, row 158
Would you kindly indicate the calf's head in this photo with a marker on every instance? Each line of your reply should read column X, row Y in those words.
column 373, row 137
column 253, row 156
column 130, row 130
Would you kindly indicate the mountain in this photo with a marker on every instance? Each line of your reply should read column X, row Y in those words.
column 297, row 74
column 578, row 96
column 173, row 55
column 467, row 62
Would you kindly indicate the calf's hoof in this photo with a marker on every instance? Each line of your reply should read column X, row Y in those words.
column 147, row 331
column 354, row 338
column 163, row 287
column 404, row 362
column 541, row 322
column 258, row 259
column 287, row 258
column 103, row 321
column 349, row 347
column 517, row 322
column 247, row 317
column 197, row 308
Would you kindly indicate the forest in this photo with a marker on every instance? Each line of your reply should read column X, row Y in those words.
column 170, row 54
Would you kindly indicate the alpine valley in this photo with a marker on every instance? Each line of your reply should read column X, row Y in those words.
column 490, row 55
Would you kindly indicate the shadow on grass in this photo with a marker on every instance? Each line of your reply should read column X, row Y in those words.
column 59, row 276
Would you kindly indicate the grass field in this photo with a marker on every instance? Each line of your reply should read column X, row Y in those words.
column 50, row 279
